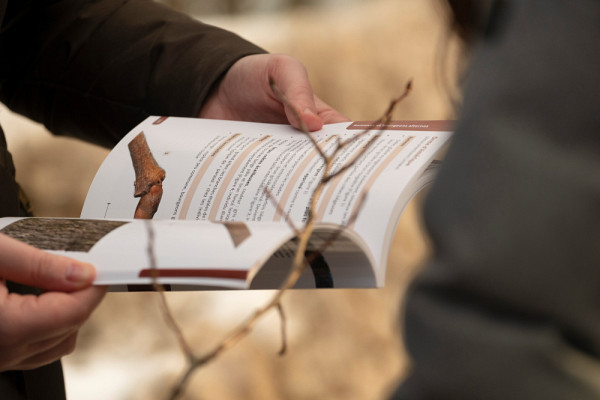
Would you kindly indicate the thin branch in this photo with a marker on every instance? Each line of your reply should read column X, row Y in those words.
column 160, row 289
column 296, row 114
column 387, row 115
column 280, row 210
column 283, row 329
column 300, row 260
column 351, row 162
column 336, row 234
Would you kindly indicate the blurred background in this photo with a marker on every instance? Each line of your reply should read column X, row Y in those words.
column 342, row 344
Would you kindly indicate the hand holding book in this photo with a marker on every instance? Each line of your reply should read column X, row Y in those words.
column 35, row 330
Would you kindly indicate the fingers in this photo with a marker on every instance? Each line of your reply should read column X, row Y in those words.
column 292, row 79
column 50, row 314
column 36, row 330
column 61, row 349
column 245, row 94
column 44, row 353
column 27, row 265
column 328, row 114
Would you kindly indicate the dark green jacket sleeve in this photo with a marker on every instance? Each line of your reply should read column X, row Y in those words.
column 93, row 69
column 509, row 305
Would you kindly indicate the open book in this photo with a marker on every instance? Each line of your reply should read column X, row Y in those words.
column 213, row 225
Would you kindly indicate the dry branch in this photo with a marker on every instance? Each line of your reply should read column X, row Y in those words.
column 300, row 261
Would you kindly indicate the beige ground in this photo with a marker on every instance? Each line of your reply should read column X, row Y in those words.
column 343, row 344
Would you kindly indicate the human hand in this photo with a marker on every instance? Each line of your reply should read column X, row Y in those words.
column 245, row 94
column 37, row 330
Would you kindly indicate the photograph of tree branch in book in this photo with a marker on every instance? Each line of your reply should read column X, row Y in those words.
column 148, row 177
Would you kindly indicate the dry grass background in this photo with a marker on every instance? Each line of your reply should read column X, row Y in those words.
column 343, row 344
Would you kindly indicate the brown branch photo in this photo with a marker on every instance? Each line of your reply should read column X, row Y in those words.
column 148, row 178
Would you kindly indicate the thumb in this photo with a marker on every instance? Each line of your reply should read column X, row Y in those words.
column 28, row 265
column 302, row 100
column 292, row 79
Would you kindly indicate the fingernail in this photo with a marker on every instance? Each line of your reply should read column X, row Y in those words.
column 80, row 273
column 312, row 124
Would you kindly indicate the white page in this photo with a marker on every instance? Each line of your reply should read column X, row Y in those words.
column 218, row 170
column 192, row 253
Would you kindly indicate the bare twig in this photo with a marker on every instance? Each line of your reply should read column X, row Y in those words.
column 296, row 114
column 160, row 289
column 336, row 234
column 281, row 211
column 300, row 260
column 283, row 330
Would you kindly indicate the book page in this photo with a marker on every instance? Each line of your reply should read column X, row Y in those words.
column 399, row 165
column 204, row 254
column 219, row 170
